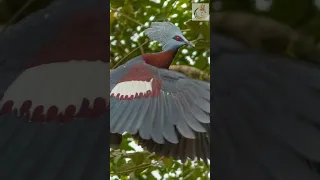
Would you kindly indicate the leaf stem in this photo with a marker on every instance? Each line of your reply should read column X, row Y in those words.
column 129, row 54
column 16, row 15
column 126, row 16
column 141, row 166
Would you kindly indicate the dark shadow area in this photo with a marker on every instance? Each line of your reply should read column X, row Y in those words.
column 265, row 90
column 54, row 66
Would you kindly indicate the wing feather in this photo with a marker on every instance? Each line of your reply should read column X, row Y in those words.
column 157, row 127
column 191, row 121
column 146, row 127
column 141, row 116
column 133, row 116
column 116, row 115
column 124, row 119
column 170, row 123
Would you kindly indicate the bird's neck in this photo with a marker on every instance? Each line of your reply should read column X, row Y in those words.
column 162, row 59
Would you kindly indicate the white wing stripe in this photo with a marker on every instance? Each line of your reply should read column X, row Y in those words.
column 60, row 85
column 131, row 88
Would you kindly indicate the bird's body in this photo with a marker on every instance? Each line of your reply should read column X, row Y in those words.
column 54, row 66
column 165, row 110
column 69, row 41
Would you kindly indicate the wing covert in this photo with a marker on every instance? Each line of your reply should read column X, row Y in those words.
column 173, row 109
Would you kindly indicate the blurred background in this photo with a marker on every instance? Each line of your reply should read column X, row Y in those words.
column 128, row 19
column 302, row 15
column 10, row 8
column 290, row 27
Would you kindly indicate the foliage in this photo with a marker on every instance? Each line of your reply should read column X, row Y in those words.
column 128, row 20
column 128, row 163
column 8, row 8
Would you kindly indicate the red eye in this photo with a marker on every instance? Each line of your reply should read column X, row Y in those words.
column 178, row 38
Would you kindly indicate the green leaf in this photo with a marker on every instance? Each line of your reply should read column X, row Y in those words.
column 168, row 162
column 116, row 159
column 200, row 28
column 201, row 63
column 116, row 3
column 161, row 16
column 125, row 168
column 202, row 45
column 125, row 144
column 128, row 10
column 138, row 158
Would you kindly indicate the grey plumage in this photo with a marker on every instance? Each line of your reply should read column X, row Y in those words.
column 162, row 31
column 51, row 151
column 166, row 121
column 163, row 123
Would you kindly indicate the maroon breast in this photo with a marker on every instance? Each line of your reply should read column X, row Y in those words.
column 69, row 74
column 81, row 36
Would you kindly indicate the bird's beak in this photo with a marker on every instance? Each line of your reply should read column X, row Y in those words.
column 190, row 45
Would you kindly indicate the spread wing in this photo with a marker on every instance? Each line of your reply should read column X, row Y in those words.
column 59, row 91
column 161, row 106
column 54, row 63
column 265, row 119
column 38, row 151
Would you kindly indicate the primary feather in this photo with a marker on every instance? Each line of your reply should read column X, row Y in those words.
column 31, row 54
column 165, row 110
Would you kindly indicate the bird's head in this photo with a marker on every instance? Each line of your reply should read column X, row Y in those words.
column 167, row 34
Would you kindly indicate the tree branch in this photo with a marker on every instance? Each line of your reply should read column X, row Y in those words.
column 16, row 15
column 191, row 72
column 129, row 54
column 126, row 16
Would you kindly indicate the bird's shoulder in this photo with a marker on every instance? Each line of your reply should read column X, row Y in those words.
column 138, row 68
